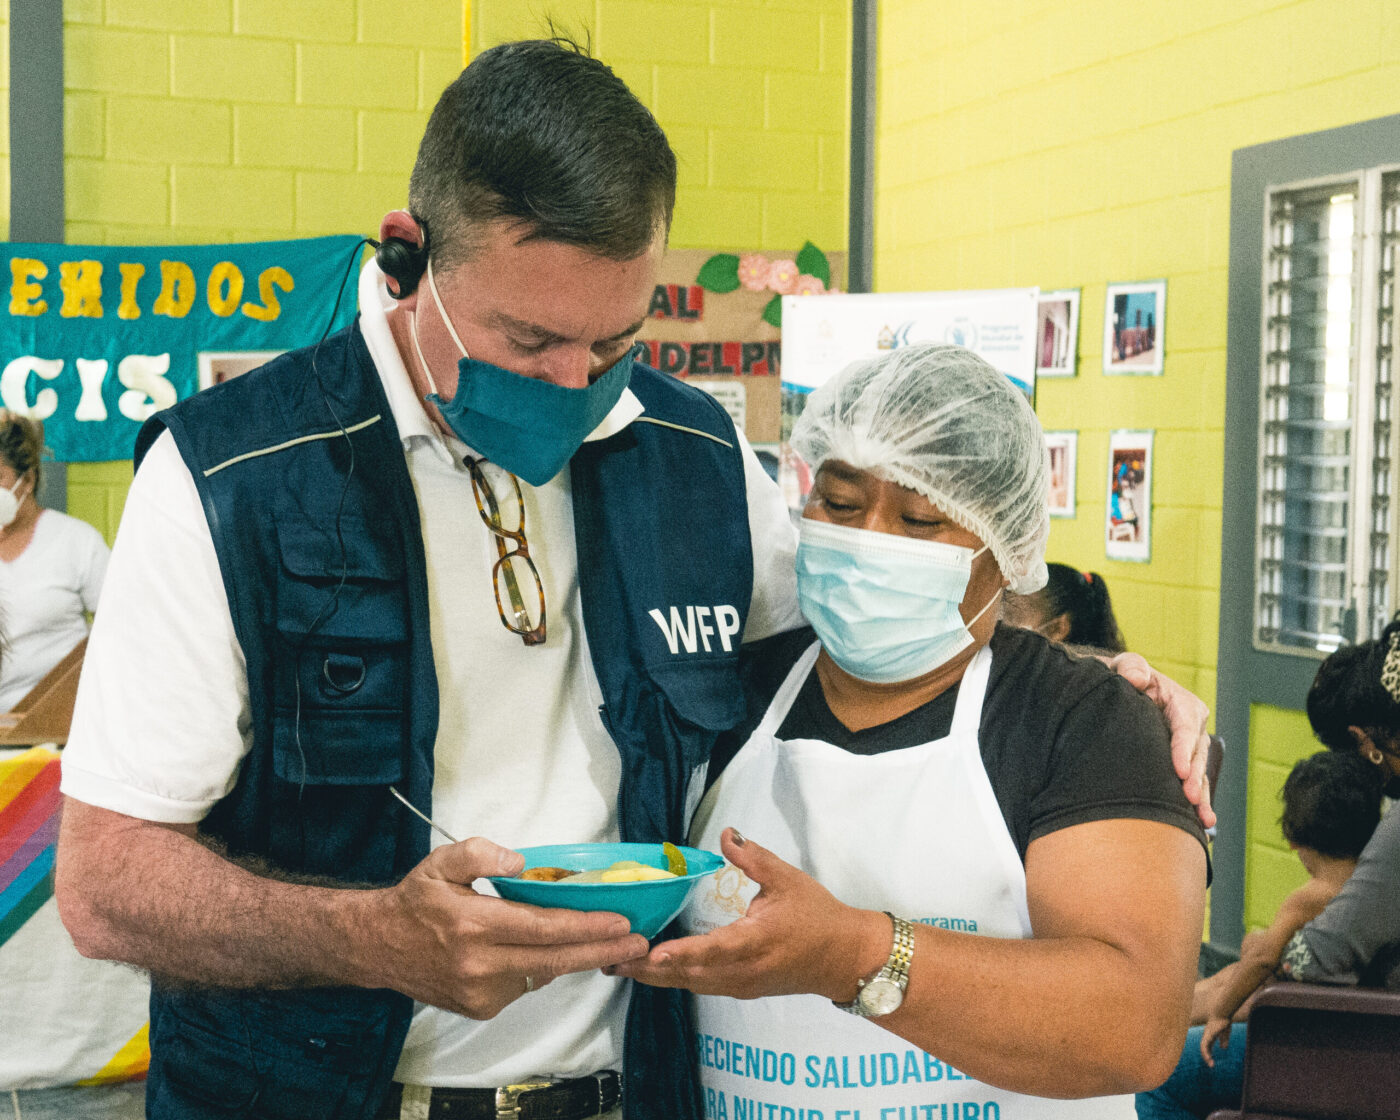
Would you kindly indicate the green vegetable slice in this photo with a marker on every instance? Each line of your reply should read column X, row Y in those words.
column 675, row 861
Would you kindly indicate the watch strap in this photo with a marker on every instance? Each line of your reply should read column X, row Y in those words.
column 895, row 968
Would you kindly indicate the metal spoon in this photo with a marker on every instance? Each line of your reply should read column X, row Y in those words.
column 423, row 817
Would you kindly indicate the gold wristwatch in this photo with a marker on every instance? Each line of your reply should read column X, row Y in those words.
column 884, row 992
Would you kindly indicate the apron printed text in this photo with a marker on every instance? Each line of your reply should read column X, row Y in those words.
column 719, row 1106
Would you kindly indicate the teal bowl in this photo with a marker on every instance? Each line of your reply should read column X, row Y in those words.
column 648, row 905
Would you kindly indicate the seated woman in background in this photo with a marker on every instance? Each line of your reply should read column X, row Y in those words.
column 51, row 566
column 1073, row 607
column 981, row 884
column 1331, row 806
column 1354, row 705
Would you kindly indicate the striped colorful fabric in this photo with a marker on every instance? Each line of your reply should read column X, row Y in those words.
column 130, row 1063
column 64, row 1019
column 29, row 804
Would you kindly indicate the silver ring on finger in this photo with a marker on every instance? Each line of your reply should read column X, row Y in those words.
column 529, row 984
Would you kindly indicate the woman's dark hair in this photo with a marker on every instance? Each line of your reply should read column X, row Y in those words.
column 1348, row 692
column 21, row 443
column 1082, row 597
column 539, row 132
column 1331, row 803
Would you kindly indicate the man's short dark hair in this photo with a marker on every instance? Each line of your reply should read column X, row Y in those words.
column 1331, row 803
column 539, row 132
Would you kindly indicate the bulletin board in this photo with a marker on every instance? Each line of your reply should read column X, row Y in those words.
column 721, row 341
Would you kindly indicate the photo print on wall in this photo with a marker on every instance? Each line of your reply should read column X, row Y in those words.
column 1057, row 333
column 1064, row 453
column 1134, row 327
column 1128, row 527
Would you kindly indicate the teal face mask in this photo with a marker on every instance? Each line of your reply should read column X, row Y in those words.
column 528, row 426
column 884, row 606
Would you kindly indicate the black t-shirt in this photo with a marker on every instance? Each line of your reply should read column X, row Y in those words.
column 1064, row 740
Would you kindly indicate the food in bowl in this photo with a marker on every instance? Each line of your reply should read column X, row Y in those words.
column 648, row 903
column 546, row 874
column 621, row 871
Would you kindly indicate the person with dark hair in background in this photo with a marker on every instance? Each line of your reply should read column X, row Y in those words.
column 51, row 566
column 1354, row 707
column 456, row 556
column 1331, row 806
column 1073, row 608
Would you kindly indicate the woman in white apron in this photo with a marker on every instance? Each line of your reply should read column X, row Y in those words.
column 980, row 886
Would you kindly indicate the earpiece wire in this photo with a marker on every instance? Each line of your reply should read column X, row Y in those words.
column 327, row 612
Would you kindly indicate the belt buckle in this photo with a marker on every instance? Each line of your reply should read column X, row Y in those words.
column 508, row 1096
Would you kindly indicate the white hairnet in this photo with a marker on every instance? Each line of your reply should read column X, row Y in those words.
column 942, row 422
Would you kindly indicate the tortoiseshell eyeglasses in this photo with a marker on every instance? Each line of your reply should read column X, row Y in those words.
column 521, row 612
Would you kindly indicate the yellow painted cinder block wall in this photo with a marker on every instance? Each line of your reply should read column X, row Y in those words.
column 753, row 94
column 1277, row 739
column 1073, row 144
column 215, row 121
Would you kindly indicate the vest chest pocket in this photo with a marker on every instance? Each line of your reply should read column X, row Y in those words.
column 340, row 632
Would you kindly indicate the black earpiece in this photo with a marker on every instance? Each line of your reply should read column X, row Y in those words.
column 402, row 261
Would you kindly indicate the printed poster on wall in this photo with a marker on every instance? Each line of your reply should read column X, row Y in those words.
column 99, row 338
column 1128, row 530
column 822, row 336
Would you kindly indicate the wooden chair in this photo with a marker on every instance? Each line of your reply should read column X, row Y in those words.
column 1319, row 1052
column 46, row 712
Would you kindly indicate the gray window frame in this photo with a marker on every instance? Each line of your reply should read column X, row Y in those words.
column 1247, row 675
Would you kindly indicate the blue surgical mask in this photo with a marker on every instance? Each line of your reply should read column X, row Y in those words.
column 528, row 426
column 884, row 606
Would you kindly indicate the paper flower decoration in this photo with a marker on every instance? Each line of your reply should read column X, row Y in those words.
column 782, row 277
column 753, row 271
column 809, row 274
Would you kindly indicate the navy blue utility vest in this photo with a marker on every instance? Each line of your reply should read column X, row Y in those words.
column 307, row 494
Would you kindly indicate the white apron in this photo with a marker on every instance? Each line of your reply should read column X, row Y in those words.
column 917, row 832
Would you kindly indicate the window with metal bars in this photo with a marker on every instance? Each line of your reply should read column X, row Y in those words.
column 1325, row 560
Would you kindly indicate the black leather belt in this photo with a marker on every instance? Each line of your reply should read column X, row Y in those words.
column 540, row 1099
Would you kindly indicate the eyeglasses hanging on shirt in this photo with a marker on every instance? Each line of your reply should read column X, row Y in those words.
column 522, row 611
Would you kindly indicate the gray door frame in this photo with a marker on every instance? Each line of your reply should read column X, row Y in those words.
column 36, row 154
column 36, row 120
column 860, row 273
column 1246, row 675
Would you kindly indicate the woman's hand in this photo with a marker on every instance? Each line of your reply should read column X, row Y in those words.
column 1217, row 1033
column 795, row 938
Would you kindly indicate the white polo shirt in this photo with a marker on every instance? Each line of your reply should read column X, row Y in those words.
column 162, row 721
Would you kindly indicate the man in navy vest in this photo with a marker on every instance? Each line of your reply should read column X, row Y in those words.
column 466, row 553
column 463, row 560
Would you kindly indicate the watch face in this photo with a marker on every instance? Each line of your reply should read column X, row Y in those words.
column 881, row 996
